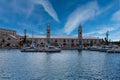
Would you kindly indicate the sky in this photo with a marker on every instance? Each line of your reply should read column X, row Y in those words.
column 64, row 16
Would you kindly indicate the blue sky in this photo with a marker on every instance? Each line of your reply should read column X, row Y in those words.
column 64, row 16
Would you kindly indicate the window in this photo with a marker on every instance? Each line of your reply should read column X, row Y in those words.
column 8, row 39
column 64, row 40
column 72, row 40
column 55, row 40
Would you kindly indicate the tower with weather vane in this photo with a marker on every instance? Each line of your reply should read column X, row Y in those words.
column 48, row 34
column 80, row 35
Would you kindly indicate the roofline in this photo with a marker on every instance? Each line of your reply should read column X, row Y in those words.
column 63, row 37
column 7, row 29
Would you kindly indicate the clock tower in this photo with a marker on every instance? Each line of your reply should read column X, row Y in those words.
column 80, row 35
column 48, row 34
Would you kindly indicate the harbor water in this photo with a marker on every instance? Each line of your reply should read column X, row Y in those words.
column 64, row 65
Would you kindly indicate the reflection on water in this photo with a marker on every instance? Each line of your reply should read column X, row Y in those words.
column 67, row 65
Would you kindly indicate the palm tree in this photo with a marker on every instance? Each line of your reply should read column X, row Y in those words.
column 106, row 39
column 23, row 41
column 3, row 41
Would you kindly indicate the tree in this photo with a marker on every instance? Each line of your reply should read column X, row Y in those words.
column 28, row 42
column 24, row 40
column 25, row 37
column 116, row 42
column 102, row 41
column 106, row 39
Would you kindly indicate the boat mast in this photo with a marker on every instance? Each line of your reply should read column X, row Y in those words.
column 32, row 37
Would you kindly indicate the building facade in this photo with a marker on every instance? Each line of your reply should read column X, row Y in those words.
column 66, row 42
column 9, row 38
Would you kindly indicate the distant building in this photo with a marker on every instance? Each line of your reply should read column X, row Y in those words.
column 7, row 31
column 65, row 41
column 9, row 38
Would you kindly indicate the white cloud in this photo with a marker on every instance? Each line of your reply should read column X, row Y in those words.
column 104, row 29
column 116, row 16
column 115, row 36
column 113, row 29
column 82, row 14
column 48, row 8
column 25, row 7
column 21, row 7
column 101, row 31
column 30, row 28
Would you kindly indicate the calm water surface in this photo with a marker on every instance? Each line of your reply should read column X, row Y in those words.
column 67, row 65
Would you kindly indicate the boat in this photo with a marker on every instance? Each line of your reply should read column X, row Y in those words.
column 99, row 48
column 93, row 48
column 32, row 48
column 52, row 49
column 114, row 50
column 103, row 48
column 35, row 49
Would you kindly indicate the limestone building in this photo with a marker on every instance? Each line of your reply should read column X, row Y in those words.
column 65, row 41
column 9, row 38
